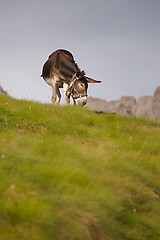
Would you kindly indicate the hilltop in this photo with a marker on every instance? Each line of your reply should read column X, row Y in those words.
column 70, row 174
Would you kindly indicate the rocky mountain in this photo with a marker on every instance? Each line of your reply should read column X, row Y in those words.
column 2, row 91
column 146, row 106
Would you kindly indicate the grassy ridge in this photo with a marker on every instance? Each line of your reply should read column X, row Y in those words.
column 68, row 173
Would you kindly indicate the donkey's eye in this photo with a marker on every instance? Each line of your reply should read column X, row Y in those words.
column 81, row 84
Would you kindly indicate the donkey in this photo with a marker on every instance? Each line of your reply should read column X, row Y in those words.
column 61, row 71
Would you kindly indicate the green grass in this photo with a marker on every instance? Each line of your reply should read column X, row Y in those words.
column 69, row 174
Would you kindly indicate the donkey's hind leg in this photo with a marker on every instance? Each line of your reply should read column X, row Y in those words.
column 56, row 96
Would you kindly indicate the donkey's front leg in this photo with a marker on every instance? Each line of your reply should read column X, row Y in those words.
column 66, row 97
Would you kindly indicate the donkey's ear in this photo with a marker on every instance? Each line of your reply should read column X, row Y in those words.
column 91, row 80
column 80, row 73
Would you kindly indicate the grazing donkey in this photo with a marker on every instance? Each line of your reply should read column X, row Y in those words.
column 61, row 71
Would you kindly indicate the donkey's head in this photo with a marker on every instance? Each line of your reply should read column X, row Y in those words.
column 78, row 87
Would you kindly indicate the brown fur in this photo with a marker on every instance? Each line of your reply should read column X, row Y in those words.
column 60, row 69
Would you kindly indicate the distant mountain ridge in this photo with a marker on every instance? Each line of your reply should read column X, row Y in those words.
column 145, row 106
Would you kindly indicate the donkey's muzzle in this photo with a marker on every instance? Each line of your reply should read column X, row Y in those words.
column 81, row 100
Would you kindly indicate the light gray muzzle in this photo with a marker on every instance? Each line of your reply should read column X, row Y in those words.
column 81, row 100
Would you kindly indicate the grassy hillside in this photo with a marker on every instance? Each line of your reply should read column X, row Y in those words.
column 69, row 174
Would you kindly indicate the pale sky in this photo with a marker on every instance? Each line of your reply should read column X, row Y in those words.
column 115, row 41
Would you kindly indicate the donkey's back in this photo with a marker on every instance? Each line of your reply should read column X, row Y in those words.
column 60, row 64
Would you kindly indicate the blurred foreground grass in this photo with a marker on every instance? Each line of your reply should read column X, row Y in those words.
column 69, row 174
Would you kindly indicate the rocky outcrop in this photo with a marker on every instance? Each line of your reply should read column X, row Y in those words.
column 146, row 106
column 157, row 93
column 2, row 91
column 123, row 106
column 149, row 106
column 97, row 104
